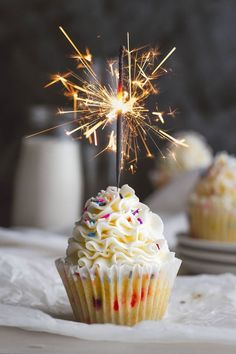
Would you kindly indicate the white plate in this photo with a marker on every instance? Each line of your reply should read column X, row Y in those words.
column 198, row 267
column 208, row 255
column 222, row 247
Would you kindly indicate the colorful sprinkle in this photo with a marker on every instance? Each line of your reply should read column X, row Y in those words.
column 92, row 234
column 101, row 203
column 158, row 246
column 84, row 210
column 105, row 216
column 142, row 294
column 135, row 212
column 97, row 303
column 77, row 274
column 121, row 197
column 129, row 219
column 133, row 300
column 130, row 274
column 116, row 305
column 140, row 220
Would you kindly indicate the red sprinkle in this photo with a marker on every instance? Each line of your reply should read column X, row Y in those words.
column 105, row 216
column 129, row 219
column 133, row 300
column 116, row 305
column 142, row 294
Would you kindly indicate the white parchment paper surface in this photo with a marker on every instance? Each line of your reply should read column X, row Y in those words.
column 32, row 297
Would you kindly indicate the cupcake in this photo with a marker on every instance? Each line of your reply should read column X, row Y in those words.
column 118, row 268
column 197, row 155
column 212, row 205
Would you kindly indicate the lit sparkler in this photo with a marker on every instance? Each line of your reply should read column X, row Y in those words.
column 96, row 106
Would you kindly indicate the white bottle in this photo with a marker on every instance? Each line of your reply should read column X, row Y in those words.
column 48, row 185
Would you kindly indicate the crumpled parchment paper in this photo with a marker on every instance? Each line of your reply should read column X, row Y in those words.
column 38, row 242
column 32, row 297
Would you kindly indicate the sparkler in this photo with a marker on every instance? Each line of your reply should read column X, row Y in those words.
column 119, row 120
column 96, row 106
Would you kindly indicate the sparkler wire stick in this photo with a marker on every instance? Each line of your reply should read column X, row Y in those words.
column 119, row 123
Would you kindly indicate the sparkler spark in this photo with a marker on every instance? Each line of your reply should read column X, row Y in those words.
column 95, row 105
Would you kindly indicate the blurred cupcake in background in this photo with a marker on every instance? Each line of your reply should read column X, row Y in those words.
column 212, row 204
column 198, row 155
column 180, row 159
column 178, row 172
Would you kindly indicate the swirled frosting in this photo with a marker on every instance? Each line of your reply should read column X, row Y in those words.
column 197, row 155
column 116, row 228
column 218, row 182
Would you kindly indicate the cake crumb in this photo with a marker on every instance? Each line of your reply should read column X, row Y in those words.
column 196, row 296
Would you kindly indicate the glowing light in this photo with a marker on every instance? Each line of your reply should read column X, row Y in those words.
column 95, row 106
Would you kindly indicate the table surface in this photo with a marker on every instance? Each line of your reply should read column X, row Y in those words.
column 17, row 341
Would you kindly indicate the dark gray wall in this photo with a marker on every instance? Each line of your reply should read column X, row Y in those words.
column 202, row 85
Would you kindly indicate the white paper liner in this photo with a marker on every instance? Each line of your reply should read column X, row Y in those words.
column 122, row 295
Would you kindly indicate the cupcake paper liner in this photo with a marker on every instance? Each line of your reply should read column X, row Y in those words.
column 121, row 295
column 212, row 221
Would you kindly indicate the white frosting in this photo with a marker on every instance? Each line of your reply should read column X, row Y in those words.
column 218, row 184
column 198, row 154
column 116, row 228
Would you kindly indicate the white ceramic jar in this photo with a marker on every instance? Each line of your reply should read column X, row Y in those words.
column 49, row 184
